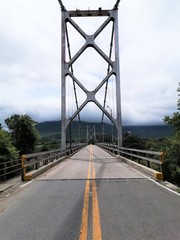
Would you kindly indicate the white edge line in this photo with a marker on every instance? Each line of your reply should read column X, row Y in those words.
column 26, row 184
column 154, row 181
column 169, row 189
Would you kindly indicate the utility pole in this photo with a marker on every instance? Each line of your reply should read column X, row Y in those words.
column 87, row 134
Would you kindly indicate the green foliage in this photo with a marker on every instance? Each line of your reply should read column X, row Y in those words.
column 172, row 148
column 47, row 144
column 7, row 151
column 174, row 120
column 178, row 104
column 23, row 132
column 132, row 141
column 155, row 144
column 171, row 166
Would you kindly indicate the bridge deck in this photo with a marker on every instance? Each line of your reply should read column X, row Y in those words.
column 106, row 166
column 90, row 196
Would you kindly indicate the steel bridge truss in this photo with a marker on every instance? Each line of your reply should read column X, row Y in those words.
column 91, row 134
column 67, row 67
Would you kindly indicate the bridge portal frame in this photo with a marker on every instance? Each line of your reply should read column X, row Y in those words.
column 67, row 70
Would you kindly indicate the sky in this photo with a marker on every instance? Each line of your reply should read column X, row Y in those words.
column 30, row 59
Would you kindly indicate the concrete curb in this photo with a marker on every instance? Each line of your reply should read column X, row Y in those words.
column 153, row 173
column 35, row 173
column 9, row 183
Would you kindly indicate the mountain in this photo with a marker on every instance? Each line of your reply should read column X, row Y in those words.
column 52, row 130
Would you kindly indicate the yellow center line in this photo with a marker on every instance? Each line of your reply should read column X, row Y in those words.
column 95, row 206
column 84, row 222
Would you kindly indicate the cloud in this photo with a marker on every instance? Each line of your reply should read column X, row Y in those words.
column 30, row 63
column 149, row 60
column 30, row 59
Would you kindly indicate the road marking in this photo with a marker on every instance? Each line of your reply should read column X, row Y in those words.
column 85, row 213
column 159, row 184
column 169, row 189
column 95, row 207
column 96, row 217
column 26, row 184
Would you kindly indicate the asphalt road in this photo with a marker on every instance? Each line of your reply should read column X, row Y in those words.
column 92, row 195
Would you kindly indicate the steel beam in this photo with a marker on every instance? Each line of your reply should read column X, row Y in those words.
column 89, row 13
column 90, row 42
column 62, row 6
column 118, row 92
column 63, row 82
column 116, row 5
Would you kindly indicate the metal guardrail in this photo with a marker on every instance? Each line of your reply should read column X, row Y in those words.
column 151, row 159
column 34, row 161
column 9, row 169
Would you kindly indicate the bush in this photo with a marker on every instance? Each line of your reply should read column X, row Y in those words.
column 7, row 151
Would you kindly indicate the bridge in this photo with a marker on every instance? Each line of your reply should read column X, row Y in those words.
column 89, row 191
column 90, row 194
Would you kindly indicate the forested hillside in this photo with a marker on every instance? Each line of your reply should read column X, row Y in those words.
column 52, row 130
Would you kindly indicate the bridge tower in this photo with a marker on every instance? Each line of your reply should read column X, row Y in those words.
column 91, row 134
column 67, row 66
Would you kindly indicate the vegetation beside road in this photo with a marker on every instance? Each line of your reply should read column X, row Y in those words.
column 21, row 138
column 171, row 147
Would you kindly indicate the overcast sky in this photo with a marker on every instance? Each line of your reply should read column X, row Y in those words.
column 149, row 42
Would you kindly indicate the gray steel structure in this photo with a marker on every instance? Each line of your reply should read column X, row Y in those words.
column 67, row 67
column 91, row 134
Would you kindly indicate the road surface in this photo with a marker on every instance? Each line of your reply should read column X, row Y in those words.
column 91, row 195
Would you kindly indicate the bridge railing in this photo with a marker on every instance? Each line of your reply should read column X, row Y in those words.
column 9, row 169
column 152, row 159
column 34, row 161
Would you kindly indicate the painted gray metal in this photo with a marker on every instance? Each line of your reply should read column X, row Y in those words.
column 66, row 67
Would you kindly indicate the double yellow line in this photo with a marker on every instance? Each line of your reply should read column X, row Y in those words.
column 91, row 185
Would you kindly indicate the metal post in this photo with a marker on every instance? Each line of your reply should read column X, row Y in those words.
column 87, row 134
column 23, row 168
column 118, row 93
column 63, row 83
column 79, row 135
column 111, row 126
column 4, row 172
column 103, row 133
column 70, row 138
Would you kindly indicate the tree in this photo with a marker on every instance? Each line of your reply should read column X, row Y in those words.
column 172, row 148
column 132, row 141
column 8, row 154
column 175, row 119
column 23, row 132
column 7, row 150
column 178, row 104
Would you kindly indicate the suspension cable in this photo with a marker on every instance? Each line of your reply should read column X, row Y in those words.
column 108, row 70
column 74, row 86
